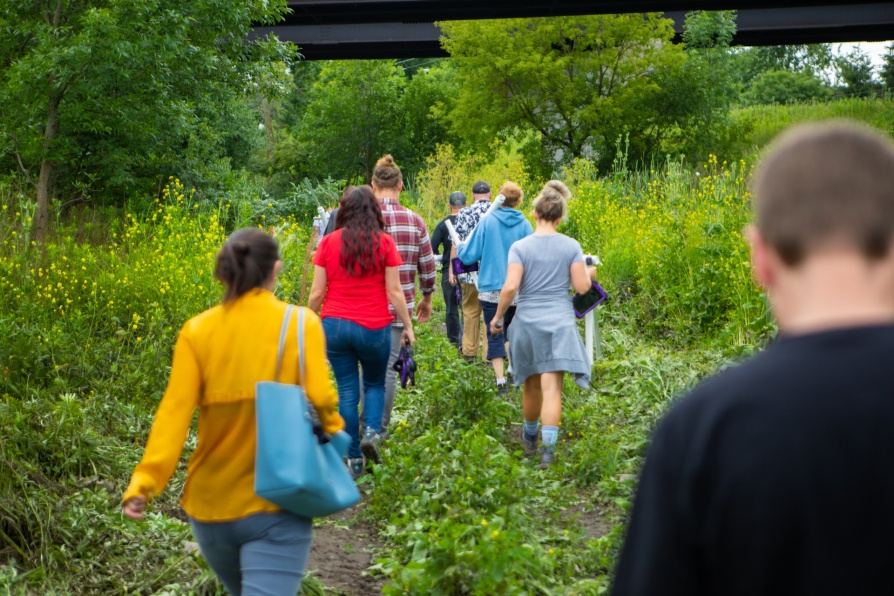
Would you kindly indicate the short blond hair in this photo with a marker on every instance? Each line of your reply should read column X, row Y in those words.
column 826, row 185
column 512, row 194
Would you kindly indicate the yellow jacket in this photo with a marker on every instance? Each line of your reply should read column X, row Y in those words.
column 219, row 356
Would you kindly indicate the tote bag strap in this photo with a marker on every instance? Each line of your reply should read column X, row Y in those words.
column 282, row 341
column 301, row 344
column 315, row 422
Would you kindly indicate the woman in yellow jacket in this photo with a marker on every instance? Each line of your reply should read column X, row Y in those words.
column 252, row 545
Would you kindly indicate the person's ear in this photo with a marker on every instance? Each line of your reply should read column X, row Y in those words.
column 762, row 260
column 375, row 188
column 400, row 186
column 271, row 281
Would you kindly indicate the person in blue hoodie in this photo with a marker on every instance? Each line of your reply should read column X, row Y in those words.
column 489, row 244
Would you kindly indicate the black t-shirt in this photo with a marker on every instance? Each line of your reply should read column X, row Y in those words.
column 442, row 237
column 330, row 227
column 774, row 477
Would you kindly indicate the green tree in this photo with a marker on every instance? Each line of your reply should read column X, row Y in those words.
column 785, row 87
column 887, row 69
column 429, row 96
column 817, row 59
column 116, row 91
column 687, row 112
column 570, row 79
column 352, row 118
column 855, row 71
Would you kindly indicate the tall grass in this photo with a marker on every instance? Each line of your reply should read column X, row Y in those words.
column 88, row 331
column 756, row 126
column 671, row 244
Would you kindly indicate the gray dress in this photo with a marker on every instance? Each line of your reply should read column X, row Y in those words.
column 544, row 336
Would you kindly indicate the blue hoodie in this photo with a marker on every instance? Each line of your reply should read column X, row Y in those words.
column 490, row 242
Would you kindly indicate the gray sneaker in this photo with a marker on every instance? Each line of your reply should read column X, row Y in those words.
column 369, row 445
column 547, row 456
column 356, row 467
column 529, row 443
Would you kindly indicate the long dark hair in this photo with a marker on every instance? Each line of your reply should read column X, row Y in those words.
column 360, row 220
column 245, row 262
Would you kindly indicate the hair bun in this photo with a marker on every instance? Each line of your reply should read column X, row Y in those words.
column 388, row 160
column 559, row 187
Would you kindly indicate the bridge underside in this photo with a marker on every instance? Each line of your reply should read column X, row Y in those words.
column 367, row 29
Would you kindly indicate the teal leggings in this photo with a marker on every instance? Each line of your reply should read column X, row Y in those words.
column 259, row 555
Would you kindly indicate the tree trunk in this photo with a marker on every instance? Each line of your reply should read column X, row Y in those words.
column 41, row 217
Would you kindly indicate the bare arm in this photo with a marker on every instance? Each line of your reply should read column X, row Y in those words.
column 582, row 277
column 514, row 273
column 398, row 300
column 317, row 289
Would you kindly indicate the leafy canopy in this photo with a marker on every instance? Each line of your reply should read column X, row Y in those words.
column 112, row 94
column 352, row 118
column 571, row 79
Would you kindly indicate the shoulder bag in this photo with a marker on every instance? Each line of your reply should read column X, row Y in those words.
column 298, row 466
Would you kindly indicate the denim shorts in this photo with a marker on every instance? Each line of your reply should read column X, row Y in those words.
column 496, row 345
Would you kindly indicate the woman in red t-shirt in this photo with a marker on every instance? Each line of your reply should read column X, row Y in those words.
column 355, row 278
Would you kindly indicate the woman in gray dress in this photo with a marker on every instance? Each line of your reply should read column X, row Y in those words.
column 544, row 339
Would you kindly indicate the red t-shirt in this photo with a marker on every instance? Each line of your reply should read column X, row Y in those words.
column 360, row 299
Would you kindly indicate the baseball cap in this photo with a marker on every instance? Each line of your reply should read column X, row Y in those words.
column 480, row 188
column 457, row 199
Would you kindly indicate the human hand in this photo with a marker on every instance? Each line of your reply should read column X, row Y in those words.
column 591, row 272
column 408, row 336
column 451, row 277
column 423, row 309
column 134, row 506
column 496, row 326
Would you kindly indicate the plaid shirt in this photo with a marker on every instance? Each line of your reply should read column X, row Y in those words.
column 411, row 237
column 466, row 220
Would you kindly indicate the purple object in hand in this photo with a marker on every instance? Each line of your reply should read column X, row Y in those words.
column 405, row 366
column 459, row 267
column 584, row 303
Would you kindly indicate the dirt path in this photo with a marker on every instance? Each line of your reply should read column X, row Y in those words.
column 342, row 551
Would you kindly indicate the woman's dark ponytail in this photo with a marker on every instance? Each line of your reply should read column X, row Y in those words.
column 245, row 262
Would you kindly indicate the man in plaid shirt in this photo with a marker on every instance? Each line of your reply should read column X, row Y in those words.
column 411, row 237
column 466, row 220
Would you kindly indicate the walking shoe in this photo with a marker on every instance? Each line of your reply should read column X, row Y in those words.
column 369, row 445
column 356, row 467
column 509, row 377
column 501, row 389
column 547, row 456
column 469, row 359
column 529, row 443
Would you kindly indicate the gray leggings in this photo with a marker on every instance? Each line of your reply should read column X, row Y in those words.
column 259, row 555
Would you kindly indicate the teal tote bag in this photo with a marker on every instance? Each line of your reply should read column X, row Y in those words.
column 297, row 465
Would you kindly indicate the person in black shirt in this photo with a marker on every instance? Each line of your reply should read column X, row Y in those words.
column 777, row 475
column 440, row 237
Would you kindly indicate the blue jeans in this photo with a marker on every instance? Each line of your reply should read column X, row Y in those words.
column 261, row 554
column 347, row 345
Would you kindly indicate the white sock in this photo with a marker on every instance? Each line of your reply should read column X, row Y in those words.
column 501, row 381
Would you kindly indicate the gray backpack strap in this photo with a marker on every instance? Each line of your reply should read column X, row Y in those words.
column 282, row 341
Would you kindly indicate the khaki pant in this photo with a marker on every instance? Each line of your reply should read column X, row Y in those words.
column 471, row 321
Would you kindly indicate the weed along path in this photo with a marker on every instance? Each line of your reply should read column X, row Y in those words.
column 455, row 507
